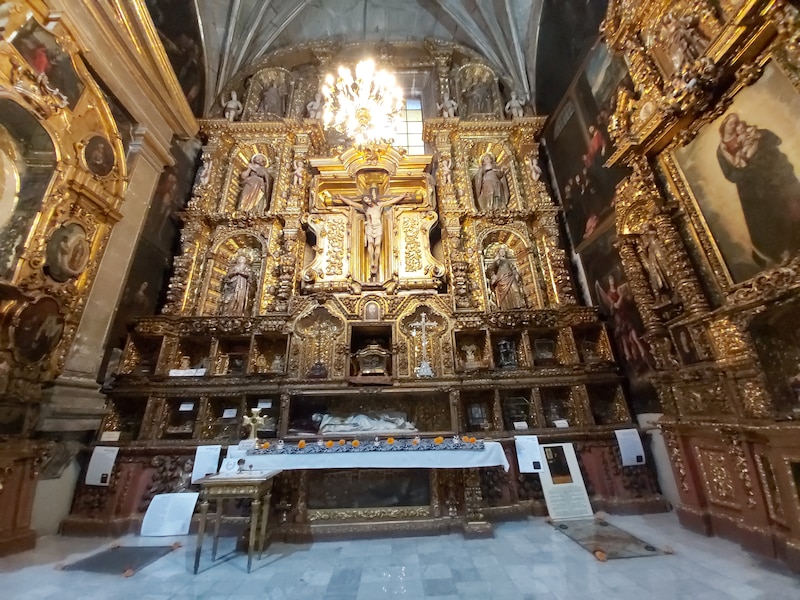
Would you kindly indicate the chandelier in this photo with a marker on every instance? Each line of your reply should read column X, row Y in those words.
column 365, row 108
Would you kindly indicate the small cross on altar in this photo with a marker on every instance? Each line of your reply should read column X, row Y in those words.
column 254, row 420
column 422, row 326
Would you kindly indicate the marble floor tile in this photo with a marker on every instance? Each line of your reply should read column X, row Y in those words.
column 525, row 560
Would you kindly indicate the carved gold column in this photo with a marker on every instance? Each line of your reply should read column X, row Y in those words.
column 685, row 278
column 554, row 261
column 637, row 281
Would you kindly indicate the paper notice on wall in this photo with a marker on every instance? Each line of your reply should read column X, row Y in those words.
column 563, row 485
column 529, row 453
column 169, row 514
column 561, row 423
column 101, row 464
column 630, row 447
column 206, row 461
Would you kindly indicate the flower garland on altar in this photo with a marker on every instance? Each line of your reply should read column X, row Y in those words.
column 389, row 444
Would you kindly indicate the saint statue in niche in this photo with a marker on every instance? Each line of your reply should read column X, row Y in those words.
column 273, row 100
column 372, row 208
column 684, row 40
column 491, row 188
column 236, row 288
column 653, row 262
column 256, row 181
column 505, row 283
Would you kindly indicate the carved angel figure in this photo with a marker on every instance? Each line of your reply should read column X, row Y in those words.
column 515, row 107
column 315, row 107
column 448, row 107
column 232, row 108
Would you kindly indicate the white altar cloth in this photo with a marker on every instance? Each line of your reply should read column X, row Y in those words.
column 491, row 456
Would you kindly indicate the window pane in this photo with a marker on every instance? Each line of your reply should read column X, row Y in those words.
column 415, row 127
column 416, row 150
column 414, row 115
column 413, row 103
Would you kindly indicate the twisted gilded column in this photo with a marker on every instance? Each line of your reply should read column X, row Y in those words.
column 684, row 276
column 638, row 283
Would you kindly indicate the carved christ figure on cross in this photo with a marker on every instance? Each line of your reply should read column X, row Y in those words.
column 372, row 207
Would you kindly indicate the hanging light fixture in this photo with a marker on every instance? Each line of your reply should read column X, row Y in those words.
column 367, row 108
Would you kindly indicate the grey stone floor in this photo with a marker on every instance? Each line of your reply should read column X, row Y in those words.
column 525, row 560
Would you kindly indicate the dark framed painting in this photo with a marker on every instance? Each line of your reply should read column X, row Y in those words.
column 579, row 145
column 99, row 156
column 67, row 252
column 611, row 292
column 178, row 28
column 40, row 328
column 741, row 171
column 41, row 51
column 685, row 345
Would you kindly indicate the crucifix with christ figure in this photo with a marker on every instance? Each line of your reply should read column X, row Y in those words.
column 372, row 206
column 422, row 326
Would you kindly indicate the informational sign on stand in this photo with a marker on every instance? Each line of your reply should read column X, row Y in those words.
column 529, row 453
column 206, row 461
column 169, row 514
column 101, row 464
column 630, row 447
column 563, row 485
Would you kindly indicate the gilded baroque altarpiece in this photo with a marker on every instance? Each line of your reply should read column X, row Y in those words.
column 708, row 130
column 321, row 282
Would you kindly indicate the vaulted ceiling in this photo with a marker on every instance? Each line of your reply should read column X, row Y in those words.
column 237, row 33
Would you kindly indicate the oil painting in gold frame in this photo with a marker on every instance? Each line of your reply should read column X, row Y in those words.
column 742, row 172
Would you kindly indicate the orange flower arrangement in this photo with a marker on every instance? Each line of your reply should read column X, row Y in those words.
column 465, row 439
column 301, row 444
column 472, row 440
column 342, row 442
column 390, row 440
column 438, row 440
column 265, row 445
column 415, row 441
column 356, row 443
column 329, row 444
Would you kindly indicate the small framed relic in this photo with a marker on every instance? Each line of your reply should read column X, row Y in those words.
column 99, row 156
column 40, row 328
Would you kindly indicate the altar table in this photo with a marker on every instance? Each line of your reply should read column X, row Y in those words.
column 492, row 455
column 256, row 486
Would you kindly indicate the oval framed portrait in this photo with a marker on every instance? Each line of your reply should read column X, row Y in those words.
column 99, row 156
column 38, row 331
column 67, row 252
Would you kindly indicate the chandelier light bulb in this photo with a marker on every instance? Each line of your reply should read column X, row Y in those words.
column 366, row 108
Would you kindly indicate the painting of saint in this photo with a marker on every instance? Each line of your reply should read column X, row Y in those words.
column 51, row 64
column 178, row 29
column 99, row 156
column 40, row 328
column 67, row 252
column 612, row 293
column 743, row 172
